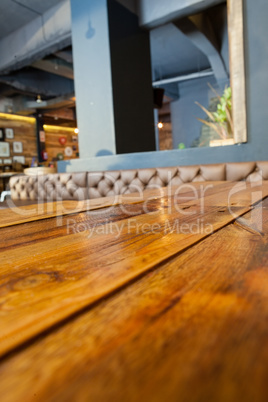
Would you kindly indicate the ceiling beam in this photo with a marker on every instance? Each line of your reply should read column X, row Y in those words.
column 200, row 31
column 66, row 113
column 44, row 35
column 39, row 82
column 60, row 102
column 179, row 78
column 55, row 66
column 158, row 12
column 6, row 90
column 66, row 55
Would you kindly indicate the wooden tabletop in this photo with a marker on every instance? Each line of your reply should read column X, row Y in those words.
column 7, row 174
column 39, row 170
column 142, row 297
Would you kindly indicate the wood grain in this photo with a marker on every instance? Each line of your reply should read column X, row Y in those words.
column 45, row 282
column 53, row 147
column 216, row 193
column 25, row 132
column 47, row 278
column 192, row 330
column 237, row 69
column 36, row 231
column 16, row 215
column 29, row 213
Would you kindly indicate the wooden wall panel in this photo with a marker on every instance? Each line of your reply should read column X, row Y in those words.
column 53, row 146
column 25, row 132
column 237, row 69
column 165, row 137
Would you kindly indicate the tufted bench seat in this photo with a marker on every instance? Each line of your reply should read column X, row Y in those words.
column 107, row 183
column 84, row 185
column 50, row 187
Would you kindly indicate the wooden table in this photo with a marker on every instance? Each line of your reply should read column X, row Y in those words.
column 39, row 170
column 159, row 297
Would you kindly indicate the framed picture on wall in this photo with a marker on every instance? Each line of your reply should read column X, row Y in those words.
column 4, row 149
column 7, row 161
column 17, row 147
column 19, row 159
column 2, row 134
column 68, row 151
column 9, row 133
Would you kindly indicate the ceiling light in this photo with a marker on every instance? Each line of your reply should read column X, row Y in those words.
column 47, row 127
column 38, row 99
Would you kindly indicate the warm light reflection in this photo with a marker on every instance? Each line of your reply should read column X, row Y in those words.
column 8, row 116
column 47, row 127
column 76, row 130
column 160, row 125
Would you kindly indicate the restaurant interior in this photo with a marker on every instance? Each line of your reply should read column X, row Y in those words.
column 133, row 200
column 139, row 99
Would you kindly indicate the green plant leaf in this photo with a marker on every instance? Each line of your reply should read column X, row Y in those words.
column 209, row 114
column 221, row 120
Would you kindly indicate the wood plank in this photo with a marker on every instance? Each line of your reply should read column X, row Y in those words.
column 55, row 66
column 29, row 213
column 237, row 68
column 45, row 282
column 36, row 230
column 235, row 194
column 242, row 197
column 192, row 330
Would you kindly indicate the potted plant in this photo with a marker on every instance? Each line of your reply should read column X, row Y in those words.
column 221, row 120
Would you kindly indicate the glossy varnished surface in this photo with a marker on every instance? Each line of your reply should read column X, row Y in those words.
column 143, row 315
column 219, row 193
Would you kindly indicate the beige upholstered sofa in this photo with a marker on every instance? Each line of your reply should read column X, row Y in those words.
column 87, row 185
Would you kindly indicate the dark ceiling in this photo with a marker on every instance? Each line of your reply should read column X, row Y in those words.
column 23, row 86
column 173, row 54
column 14, row 14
